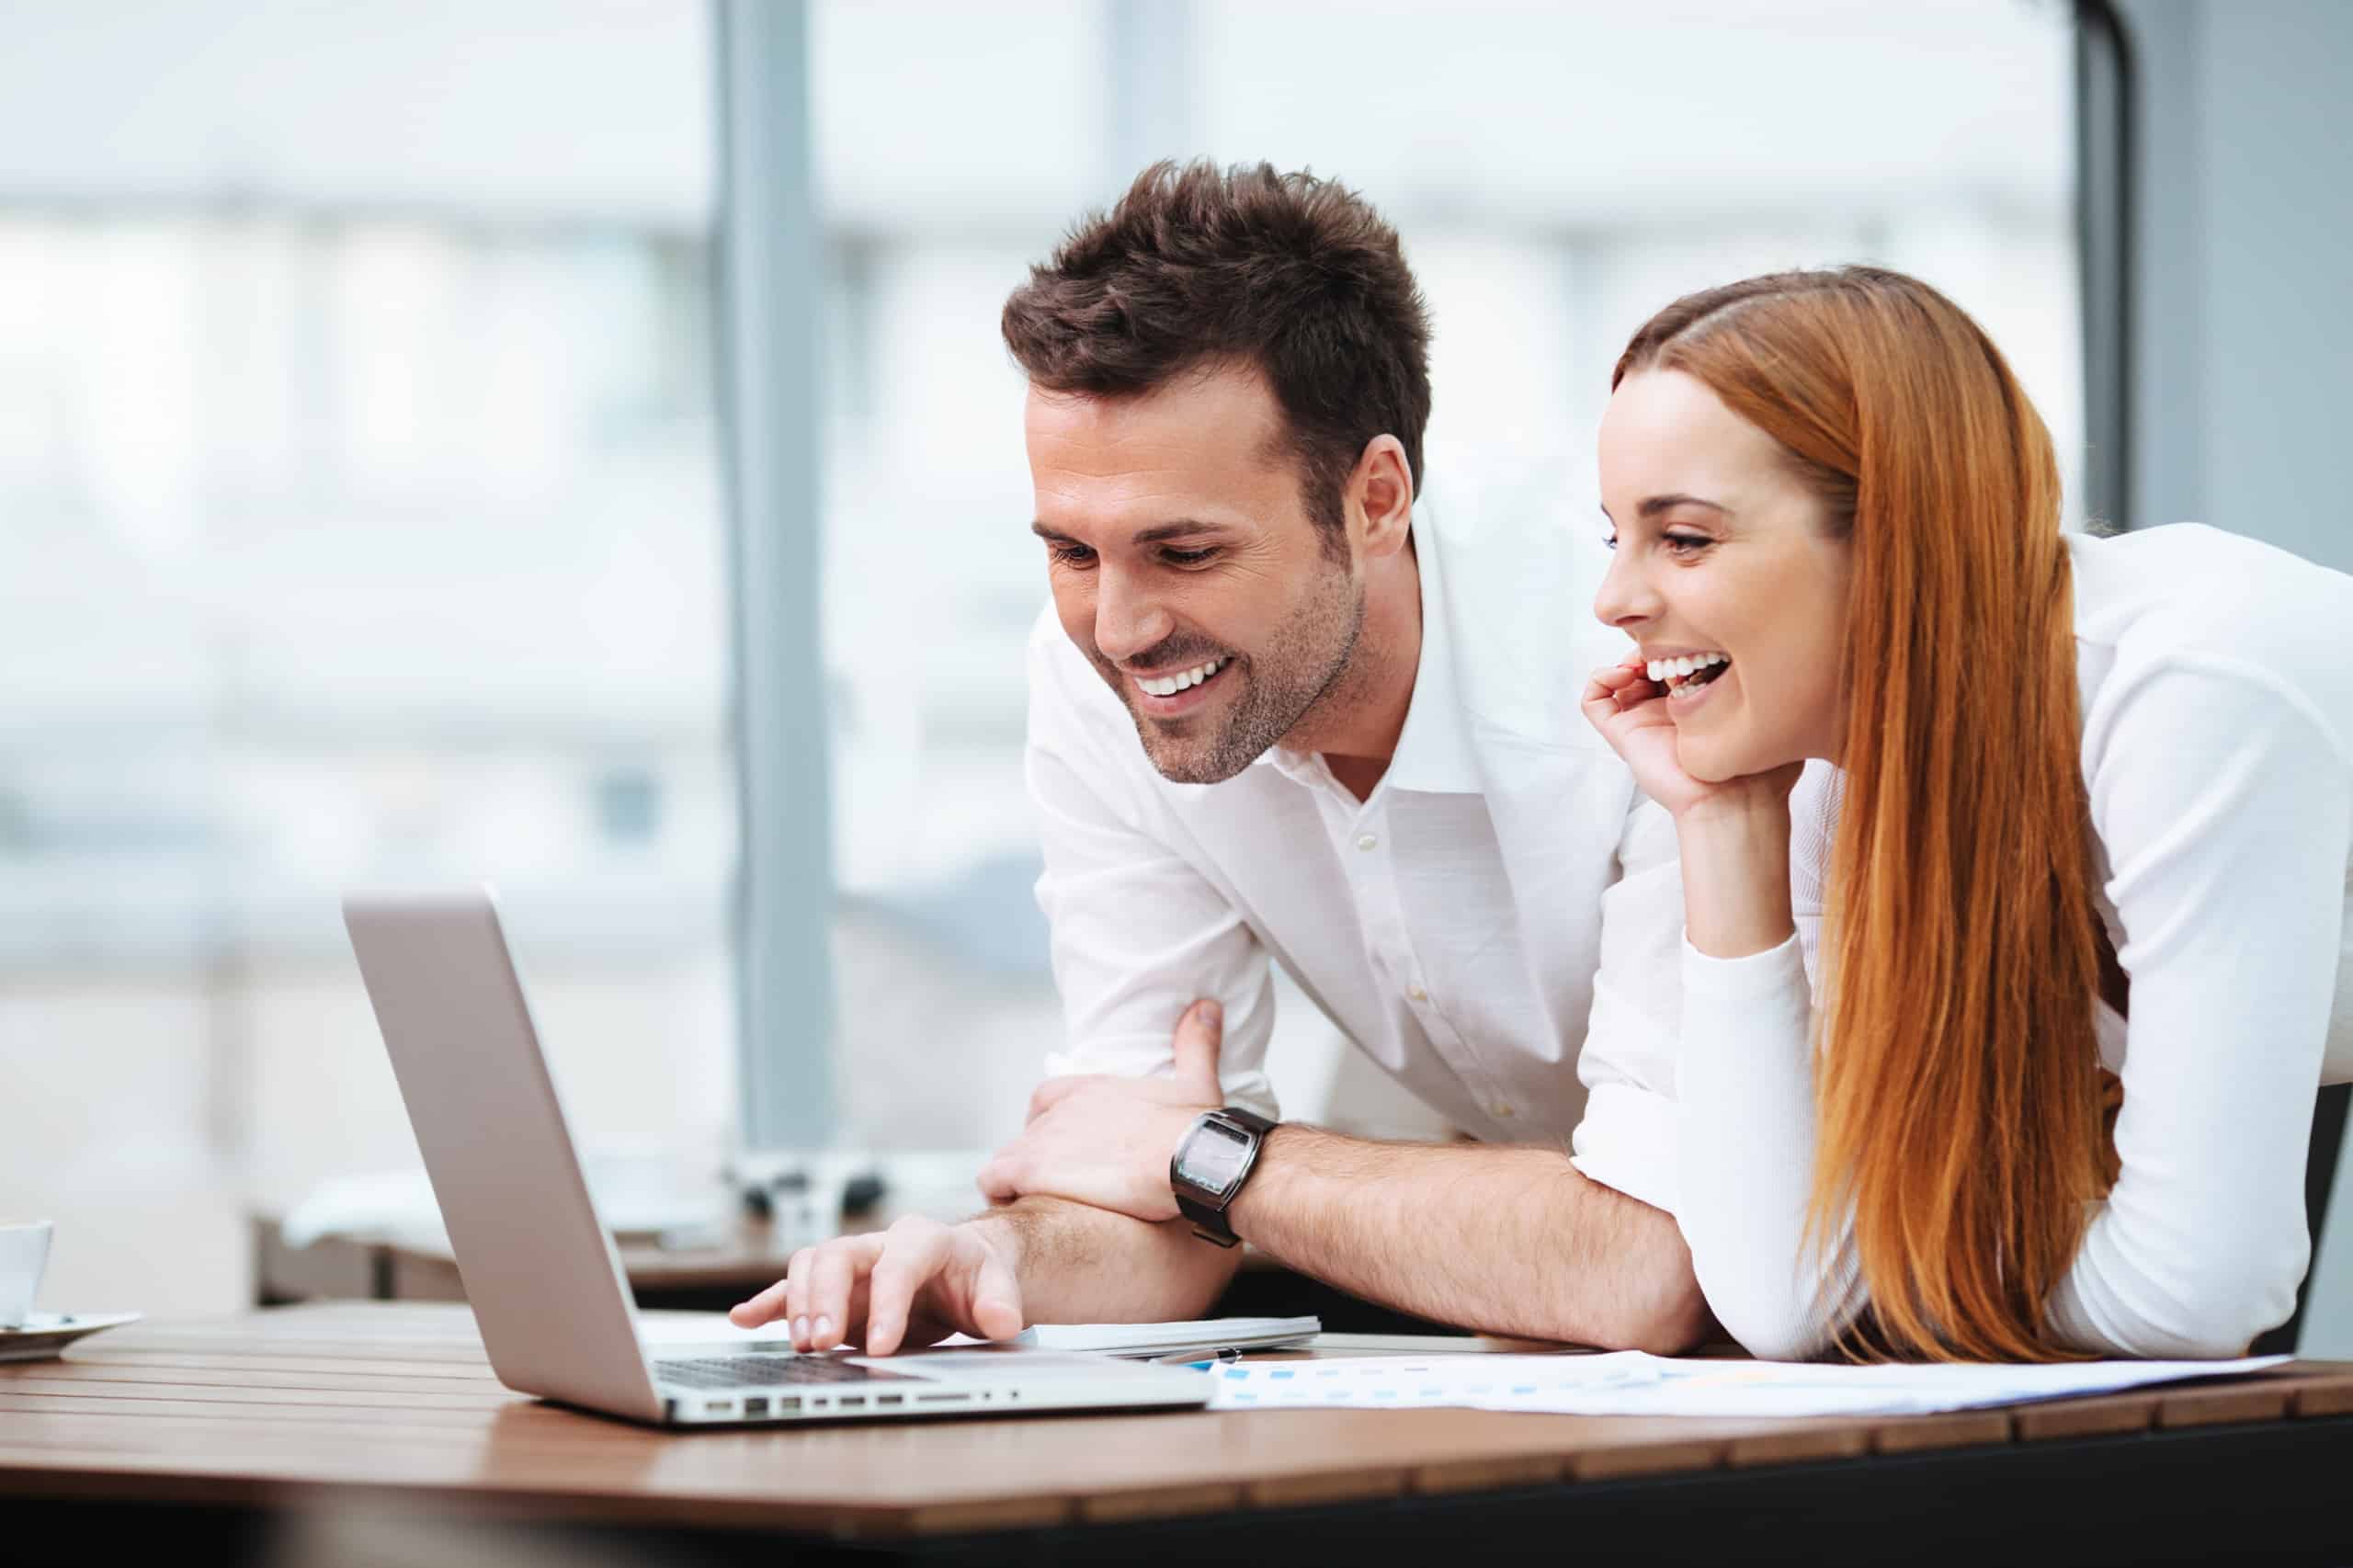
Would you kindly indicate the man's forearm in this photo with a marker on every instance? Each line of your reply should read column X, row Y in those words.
column 1079, row 1264
column 1508, row 1240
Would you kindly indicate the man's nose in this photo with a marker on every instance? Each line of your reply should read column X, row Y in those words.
column 1128, row 617
column 1626, row 598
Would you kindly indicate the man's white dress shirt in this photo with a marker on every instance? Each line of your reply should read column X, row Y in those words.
column 2217, row 703
column 1452, row 924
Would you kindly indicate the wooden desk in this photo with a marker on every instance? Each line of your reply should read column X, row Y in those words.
column 328, row 1426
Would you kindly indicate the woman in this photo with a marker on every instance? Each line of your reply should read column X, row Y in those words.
column 2093, row 808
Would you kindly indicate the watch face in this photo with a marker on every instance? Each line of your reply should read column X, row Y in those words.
column 1214, row 1157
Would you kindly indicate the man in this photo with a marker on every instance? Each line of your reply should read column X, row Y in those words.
column 1277, row 712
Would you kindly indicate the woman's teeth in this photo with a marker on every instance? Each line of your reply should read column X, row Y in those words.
column 1170, row 686
column 1661, row 669
column 1686, row 674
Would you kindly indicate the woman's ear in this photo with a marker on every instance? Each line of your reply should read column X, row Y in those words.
column 1382, row 493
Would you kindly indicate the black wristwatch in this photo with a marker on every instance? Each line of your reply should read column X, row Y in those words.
column 1210, row 1163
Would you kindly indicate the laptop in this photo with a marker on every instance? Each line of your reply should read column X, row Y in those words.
column 540, row 1269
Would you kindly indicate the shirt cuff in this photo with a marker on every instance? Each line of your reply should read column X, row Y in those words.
column 1753, row 978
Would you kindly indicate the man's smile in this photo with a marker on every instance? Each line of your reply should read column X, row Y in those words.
column 1171, row 693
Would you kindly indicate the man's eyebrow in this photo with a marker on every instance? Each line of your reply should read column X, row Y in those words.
column 1654, row 504
column 1177, row 530
column 1153, row 534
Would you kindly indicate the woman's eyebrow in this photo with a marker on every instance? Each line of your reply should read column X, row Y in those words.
column 1653, row 506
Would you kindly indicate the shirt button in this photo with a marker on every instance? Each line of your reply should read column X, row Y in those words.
column 1504, row 1110
column 1367, row 841
column 1417, row 994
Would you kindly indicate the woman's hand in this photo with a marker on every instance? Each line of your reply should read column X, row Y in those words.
column 1630, row 709
column 1734, row 835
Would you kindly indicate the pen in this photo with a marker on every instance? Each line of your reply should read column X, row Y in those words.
column 1200, row 1360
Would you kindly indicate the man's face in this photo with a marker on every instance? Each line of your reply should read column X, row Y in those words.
column 1185, row 566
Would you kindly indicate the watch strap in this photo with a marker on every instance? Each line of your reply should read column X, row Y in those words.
column 1208, row 1212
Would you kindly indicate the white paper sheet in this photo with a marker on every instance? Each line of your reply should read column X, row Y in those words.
column 1205, row 1336
column 1627, row 1383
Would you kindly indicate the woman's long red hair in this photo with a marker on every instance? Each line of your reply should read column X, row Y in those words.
column 1957, row 1081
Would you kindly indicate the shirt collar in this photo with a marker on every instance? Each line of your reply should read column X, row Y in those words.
column 1433, row 752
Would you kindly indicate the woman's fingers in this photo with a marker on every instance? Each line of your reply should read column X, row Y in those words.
column 1617, row 688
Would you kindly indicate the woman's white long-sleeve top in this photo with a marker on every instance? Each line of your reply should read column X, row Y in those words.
column 2217, row 700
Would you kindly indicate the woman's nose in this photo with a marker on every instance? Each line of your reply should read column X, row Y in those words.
column 1624, row 600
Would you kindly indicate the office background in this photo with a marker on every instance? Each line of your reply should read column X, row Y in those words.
column 364, row 503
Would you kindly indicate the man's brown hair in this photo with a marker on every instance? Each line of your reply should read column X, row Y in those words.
column 1295, row 276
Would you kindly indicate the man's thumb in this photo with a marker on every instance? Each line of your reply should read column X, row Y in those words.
column 1199, row 1034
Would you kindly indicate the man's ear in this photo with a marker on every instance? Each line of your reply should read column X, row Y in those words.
column 1382, row 491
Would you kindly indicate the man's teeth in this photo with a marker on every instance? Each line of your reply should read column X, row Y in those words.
column 1172, row 685
column 1664, row 670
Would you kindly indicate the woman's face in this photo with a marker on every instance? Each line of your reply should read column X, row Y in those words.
column 1723, row 558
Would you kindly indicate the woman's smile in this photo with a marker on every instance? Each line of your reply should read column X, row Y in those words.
column 1684, row 680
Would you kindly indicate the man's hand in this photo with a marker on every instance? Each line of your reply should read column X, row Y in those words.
column 915, row 1283
column 1106, row 1140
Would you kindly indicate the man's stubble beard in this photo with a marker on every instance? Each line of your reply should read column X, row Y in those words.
column 1306, row 663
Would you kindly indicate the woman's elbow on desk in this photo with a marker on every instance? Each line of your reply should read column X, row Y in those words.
column 2209, row 1312
column 1774, row 1331
column 1773, row 1319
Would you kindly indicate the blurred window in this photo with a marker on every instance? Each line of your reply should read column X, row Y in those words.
column 359, row 518
column 358, row 525
column 1558, row 172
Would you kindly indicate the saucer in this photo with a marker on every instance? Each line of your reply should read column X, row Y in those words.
column 43, row 1334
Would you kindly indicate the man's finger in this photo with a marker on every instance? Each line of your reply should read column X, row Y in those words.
column 795, row 1307
column 1053, row 1091
column 996, row 1297
column 834, row 1275
column 998, row 1181
column 1199, row 1035
column 765, row 1307
column 913, row 1252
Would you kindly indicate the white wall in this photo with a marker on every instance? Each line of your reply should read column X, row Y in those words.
column 2245, row 339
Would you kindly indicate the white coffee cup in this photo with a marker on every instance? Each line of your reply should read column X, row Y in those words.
column 24, row 1253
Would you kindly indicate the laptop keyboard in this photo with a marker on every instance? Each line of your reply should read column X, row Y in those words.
column 769, row 1371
